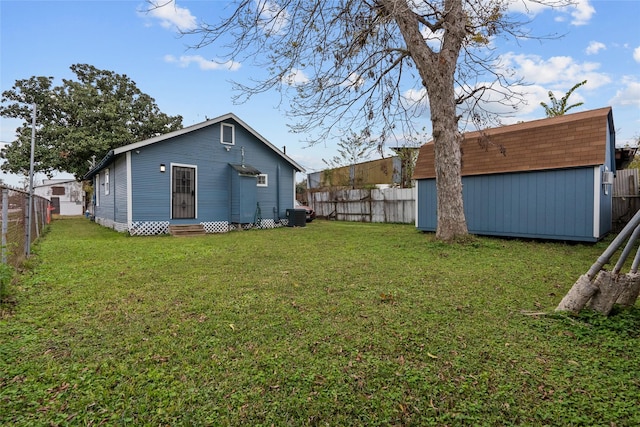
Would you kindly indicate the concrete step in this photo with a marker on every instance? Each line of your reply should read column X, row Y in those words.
column 187, row 230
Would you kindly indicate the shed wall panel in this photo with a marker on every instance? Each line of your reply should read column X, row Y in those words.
column 427, row 219
column 556, row 204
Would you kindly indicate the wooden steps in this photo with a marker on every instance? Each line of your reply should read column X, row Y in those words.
column 187, row 230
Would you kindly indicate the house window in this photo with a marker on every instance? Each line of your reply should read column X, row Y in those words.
column 263, row 180
column 106, row 181
column 227, row 134
column 57, row 191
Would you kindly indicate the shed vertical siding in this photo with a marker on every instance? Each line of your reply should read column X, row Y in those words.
column 555, row 204
column 426, row 212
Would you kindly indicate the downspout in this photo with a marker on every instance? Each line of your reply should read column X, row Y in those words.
column 5, row 223
column 114, row 198
column 278, row 192
column 229, row 197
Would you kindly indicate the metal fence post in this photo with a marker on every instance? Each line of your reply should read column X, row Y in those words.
column 5, row 222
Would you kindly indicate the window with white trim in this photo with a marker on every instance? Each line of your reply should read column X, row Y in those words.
column 263, row 180
column 106, row 182
column 227, row 133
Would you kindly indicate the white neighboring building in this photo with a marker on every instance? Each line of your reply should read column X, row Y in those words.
column 66, row 195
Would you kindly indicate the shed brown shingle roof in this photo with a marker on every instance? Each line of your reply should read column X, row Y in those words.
column 565, row 141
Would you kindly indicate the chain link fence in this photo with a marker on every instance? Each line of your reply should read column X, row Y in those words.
column 14, row 206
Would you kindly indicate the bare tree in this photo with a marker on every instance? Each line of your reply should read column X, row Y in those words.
column 352, row 150
column 352, row 63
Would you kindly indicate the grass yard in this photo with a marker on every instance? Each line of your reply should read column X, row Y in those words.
column 332, row 324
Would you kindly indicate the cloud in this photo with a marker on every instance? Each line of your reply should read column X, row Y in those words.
column 527, row 7
column 416, row 96
column 433, row 40
column 636, row 54
column 295, row 77
column 561, row 72
column 353, row 80
column 172, row 16
column 629, row 96
column 204, row 64
column 273, row 18
column 582, row 11
column 595, row 47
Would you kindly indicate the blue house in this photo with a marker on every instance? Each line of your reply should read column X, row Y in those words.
column 546, row 179
column 219, row 174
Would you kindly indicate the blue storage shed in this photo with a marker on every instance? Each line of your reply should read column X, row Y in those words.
column 546, row 179
column 220, row 174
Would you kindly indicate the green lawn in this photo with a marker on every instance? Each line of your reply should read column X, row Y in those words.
column 331, row 324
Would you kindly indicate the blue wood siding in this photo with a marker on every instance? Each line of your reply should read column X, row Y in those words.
column 119, row 178
column 243, row 198
column 113, row 206
column 277, row 196
column 554, row 204
column 426, row 198
column 151, row 189
column 106, row 209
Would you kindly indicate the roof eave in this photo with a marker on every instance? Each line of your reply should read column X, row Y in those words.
column 100, row 165
column 197, row 126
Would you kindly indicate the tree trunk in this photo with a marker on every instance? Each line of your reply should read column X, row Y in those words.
column 437, row 70
column 448, row 164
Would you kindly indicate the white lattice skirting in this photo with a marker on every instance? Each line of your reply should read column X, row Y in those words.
column 216, row 226
column 269, row 223
column 264, row 223
column 148, row 228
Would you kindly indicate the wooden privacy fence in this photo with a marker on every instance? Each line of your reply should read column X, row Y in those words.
column 366, row 205
column 626, row 200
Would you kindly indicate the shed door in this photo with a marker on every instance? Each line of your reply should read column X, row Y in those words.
column 183, row 193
